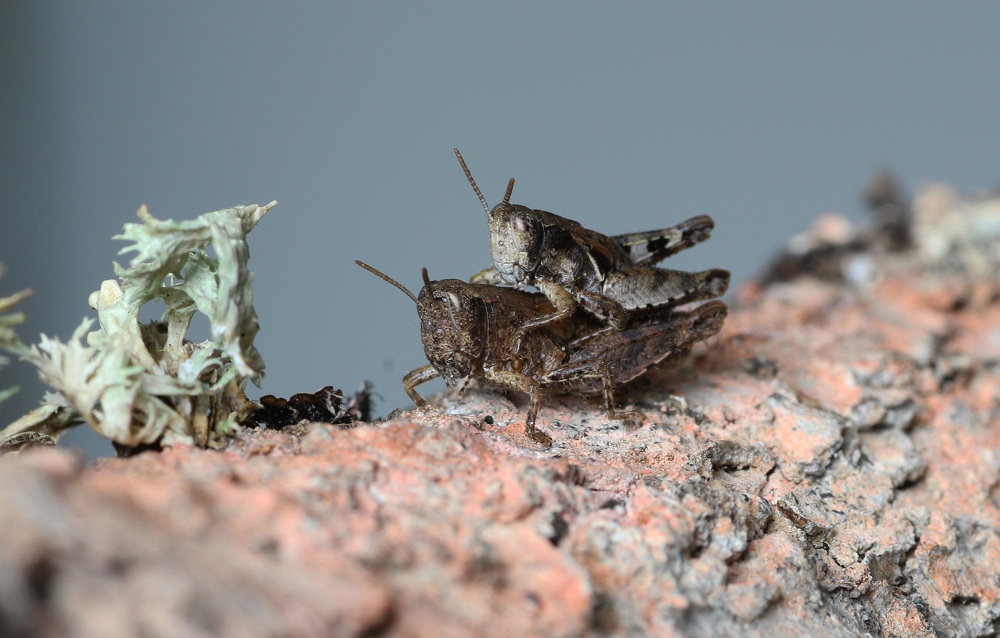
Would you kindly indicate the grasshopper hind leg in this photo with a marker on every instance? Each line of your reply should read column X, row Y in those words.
column 593, row 377
column 652, row 246
column 650, row 287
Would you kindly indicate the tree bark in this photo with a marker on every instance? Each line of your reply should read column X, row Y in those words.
column 829, row 465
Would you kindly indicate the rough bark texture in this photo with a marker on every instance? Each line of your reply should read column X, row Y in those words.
column 828, row 466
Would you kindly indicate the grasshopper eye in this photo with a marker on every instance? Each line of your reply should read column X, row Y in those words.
column 456, row 303
column 525, row 233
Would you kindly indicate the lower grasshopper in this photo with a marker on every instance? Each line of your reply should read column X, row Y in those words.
column 609, row 277
column 471, row 331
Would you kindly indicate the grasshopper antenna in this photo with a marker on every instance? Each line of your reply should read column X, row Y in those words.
column 382, row 275
column 510, row 189
column 468, row 175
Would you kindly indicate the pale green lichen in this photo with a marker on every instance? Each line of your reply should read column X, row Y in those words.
column 139, row 383
column 9, row 340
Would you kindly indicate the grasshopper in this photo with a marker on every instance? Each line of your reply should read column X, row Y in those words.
column 471, row 331
column 611, row 278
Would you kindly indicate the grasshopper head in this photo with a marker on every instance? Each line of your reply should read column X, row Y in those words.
column 453, row 327
column 515, row 241
column 515, row 235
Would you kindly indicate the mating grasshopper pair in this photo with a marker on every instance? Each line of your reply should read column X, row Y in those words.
column 605, row 315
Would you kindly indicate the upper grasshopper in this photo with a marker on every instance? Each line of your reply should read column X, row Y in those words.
column 473, row 331
column 609, row 277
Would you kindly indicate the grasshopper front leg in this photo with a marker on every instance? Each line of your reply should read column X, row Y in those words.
column 487, row 276
column 414, row 378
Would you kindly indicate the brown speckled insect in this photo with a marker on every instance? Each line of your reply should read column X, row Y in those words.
column 609, row 277
column 471, row 331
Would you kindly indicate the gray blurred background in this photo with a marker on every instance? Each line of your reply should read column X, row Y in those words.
column 623, row 117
